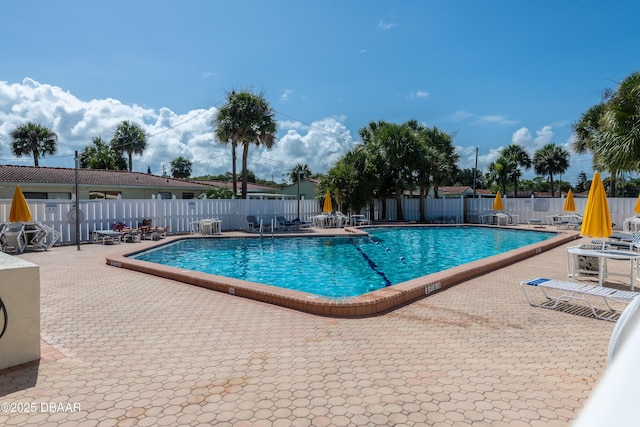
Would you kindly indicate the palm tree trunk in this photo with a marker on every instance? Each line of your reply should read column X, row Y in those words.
column 234, row 172
column 35, row 159
column 551, row 185
column 245, row 155
column 612, row 185
column 423, row 217
column 372, row 208
column 399, row 215
column 130, row 160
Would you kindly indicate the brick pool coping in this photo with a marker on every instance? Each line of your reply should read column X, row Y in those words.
column 372, row 303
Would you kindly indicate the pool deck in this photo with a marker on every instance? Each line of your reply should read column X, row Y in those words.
column 134, row 349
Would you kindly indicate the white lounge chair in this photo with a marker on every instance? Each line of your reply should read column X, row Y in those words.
column 107, row 237
column 632, row 244
column 12, row 238
column 558, row 291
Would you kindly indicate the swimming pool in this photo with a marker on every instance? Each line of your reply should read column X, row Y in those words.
column 371, row 303
column 342, row 266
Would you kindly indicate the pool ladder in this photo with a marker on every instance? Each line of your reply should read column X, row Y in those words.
column 262, row 228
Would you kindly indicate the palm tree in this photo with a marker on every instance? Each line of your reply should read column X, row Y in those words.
column 610, row 130
column 392, row 150
column 549, row 160
column 305, row 172
column 100, row 155
column 429, row 163
column 245, row 119
column 227, row 131
column 498, row 173
column 434, row 160
column 35, row 139
column 620, row 144
column 445, row 168
column 349, row 182
column 181, row 167
column 590, row 134
column 516, row 157
column 129, row 138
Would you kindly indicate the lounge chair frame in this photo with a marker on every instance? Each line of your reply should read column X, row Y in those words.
column 558, row 291
column 13, row 238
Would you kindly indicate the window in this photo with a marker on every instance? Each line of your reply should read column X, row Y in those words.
column 103, row 194
column 187, row 195
column 164, row 195
column 35, row 195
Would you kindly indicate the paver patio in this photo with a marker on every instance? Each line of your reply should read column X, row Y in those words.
column 133, row 349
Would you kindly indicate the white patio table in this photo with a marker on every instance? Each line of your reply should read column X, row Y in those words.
column 574, row 252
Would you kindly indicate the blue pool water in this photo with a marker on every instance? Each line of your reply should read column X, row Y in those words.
column 342, row 266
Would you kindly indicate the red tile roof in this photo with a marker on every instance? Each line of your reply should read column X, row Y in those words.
column 95, row 177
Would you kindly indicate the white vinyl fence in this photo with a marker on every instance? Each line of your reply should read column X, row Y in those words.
column 179, row 214
column 544, row 208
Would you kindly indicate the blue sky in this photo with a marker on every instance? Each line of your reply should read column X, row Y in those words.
column 489, row 72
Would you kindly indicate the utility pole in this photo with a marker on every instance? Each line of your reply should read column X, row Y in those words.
column 298, row 193
column 475, row 174
column 77, row 160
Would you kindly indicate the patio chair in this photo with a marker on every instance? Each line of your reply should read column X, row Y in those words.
column 52, row 234
column 12, row 238
column 299, row 224
column 282, row 223
column 36, row 235
column 206, row 226
column 363, row 221
column 131, row 235
column 341, row 220
column 157, row 233
column 252, row 223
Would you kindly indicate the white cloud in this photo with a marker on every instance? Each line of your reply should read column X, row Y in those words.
column 285, row 94
column 524, row 138
column 521, row 137
column 170, row 134
column 459, row 116
column 496, row 119
column 319, row 146
column 386, row 25
column 493, row 120
column 419, row 94
column 543, row 137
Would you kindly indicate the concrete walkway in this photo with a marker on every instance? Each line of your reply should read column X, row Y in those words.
column 124, row 348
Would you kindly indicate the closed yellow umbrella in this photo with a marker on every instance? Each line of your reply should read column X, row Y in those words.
column 497, row 203
column 597, row 218
column 637, row 208
column 570, row 204
column 328, row 207
column 20, row 211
